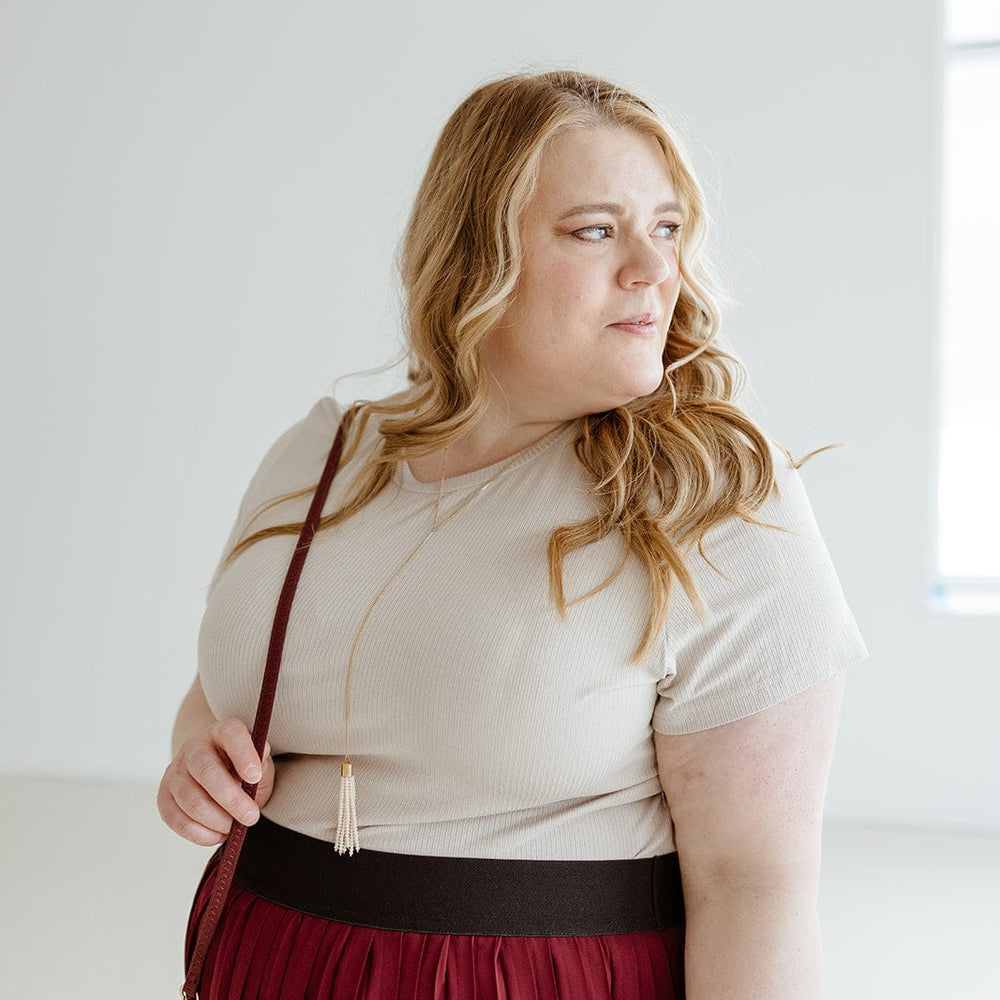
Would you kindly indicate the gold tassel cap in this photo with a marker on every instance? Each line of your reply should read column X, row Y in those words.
column 347, row 816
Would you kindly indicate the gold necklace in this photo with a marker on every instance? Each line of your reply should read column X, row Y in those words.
column 347, row 815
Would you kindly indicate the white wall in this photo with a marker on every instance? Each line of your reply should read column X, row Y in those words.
column 199, row 211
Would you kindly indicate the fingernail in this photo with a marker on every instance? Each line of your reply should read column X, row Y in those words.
column 253, row 773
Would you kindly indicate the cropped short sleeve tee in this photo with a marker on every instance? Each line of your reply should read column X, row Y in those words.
column 482, row 724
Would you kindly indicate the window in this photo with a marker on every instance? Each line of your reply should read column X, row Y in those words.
column 968, row 488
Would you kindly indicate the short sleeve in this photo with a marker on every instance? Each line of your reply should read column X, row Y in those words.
column 780, row 625
column 301, row 439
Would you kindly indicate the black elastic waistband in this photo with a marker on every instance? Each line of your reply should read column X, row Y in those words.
column 442, row 895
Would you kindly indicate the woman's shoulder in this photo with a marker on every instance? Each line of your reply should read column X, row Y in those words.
column 786, row 510
column 318, row 427
column 788, row 501
column 294, row 455
column 300, row 442
column 775, row 546
column 304, row 446
column 326, row 412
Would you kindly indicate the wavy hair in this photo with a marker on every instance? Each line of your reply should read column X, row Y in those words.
column 667, row 467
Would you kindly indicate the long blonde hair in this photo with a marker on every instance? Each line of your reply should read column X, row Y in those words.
column 667, row 467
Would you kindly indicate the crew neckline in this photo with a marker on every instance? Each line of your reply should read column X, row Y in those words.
column 405, row 478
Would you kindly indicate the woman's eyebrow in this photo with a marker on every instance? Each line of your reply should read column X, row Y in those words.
column 613, row 208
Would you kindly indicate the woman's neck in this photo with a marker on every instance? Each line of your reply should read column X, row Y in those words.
column 490, row 441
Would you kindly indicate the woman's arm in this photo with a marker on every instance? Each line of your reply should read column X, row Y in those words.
column 746, row 801
column 193, row 716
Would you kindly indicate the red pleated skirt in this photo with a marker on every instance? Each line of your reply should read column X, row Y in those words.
column 264, row 951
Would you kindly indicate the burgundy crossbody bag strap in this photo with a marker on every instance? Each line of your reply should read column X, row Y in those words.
column 237, row 834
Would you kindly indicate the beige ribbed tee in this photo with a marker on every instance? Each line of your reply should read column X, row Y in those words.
column 482, row 725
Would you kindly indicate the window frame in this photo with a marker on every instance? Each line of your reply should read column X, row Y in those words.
column 951, row 595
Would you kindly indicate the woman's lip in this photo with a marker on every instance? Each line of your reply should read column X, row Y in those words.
column 638, row 318
column 642, row 329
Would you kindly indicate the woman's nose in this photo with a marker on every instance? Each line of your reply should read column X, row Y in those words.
column 645, row 264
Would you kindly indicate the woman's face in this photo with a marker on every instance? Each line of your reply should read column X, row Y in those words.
column 587, row 329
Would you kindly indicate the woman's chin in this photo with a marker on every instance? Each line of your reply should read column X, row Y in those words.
column 642, row 383
column 629, row 392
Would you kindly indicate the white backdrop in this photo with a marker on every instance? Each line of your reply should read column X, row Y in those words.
column 198, row 215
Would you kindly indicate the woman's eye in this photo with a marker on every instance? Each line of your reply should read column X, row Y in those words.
column 593, row 234
column 672, row 227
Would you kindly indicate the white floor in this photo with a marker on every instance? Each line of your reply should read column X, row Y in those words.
column 96, row 892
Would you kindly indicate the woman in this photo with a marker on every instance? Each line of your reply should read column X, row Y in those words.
column 548, row 735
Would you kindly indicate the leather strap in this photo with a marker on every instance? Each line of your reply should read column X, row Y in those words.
column 265, row 704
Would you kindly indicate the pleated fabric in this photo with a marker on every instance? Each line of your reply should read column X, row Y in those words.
column 263, row 951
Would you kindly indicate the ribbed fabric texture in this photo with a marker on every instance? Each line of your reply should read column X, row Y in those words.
column 481, row 724
column 263, row 951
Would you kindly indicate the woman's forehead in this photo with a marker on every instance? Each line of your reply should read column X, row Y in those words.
column 603, row 166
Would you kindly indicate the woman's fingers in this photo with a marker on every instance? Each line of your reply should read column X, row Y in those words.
column 235, row 739
column 266, row 784
column 180, row 822
column 222, row 785
column 198, row 803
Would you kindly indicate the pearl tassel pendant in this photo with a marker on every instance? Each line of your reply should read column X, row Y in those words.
column 347, row 817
